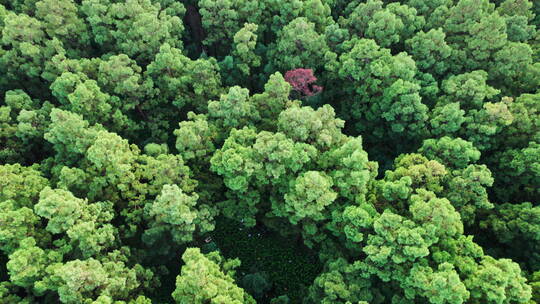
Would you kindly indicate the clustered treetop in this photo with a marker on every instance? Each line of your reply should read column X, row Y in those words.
column 398, row 141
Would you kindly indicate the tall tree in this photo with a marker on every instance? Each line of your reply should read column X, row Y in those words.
column 209, row 278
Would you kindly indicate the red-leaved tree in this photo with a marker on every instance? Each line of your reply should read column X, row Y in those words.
column 302, row 81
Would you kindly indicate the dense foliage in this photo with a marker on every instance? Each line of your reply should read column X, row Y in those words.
column 267, row 151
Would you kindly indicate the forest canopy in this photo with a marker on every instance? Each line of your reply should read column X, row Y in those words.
column 269, row 151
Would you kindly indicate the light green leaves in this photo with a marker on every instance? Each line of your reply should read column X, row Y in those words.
column 137, row 28
column 498, row 281
column 453, row 153
column 311, row 193
column 60, row 207
column 176, row 212
column 319, row 128
column 207, row 278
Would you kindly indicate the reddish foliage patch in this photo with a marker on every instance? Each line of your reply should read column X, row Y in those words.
column 302, row 81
